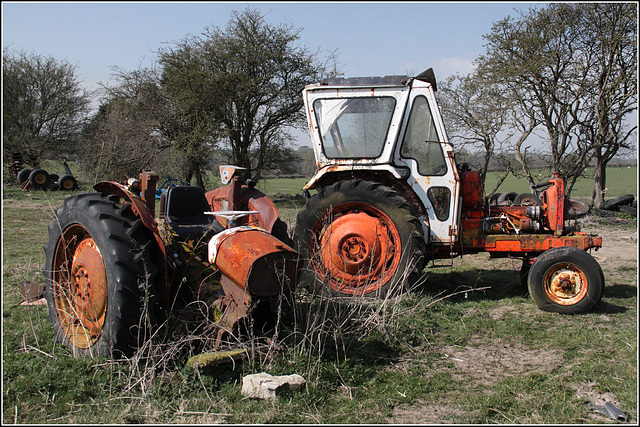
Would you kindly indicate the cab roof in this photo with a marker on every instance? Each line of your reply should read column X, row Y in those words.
column 399, row 80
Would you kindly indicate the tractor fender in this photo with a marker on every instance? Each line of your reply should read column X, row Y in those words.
column 323, row 174
column 251, row 199
column 137, row 204
column 254, row 260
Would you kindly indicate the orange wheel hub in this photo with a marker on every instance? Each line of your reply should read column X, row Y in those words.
column 565, row 284
column 359, row 251
column 80, row 287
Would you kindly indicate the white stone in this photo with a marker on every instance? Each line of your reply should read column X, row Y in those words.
column 266, row 386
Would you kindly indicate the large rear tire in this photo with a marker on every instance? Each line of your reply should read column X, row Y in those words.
column 566, row 280
column 359, row 238
column 99, row 275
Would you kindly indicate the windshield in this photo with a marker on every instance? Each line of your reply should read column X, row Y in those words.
column 354, row 127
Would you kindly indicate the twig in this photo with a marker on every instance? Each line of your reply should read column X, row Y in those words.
column 29, row 347
column 202, row 413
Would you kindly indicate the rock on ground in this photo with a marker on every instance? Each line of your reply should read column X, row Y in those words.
column 266, row 386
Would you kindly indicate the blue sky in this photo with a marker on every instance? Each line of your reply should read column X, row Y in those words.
column 371, row 38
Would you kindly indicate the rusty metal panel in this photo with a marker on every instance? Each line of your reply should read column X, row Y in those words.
column 138, row 205
column 228, row 172
column 471, row 191
column 254, row 260
column 148, row 191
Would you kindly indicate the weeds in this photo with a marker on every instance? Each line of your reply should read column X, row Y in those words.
column 366, row 362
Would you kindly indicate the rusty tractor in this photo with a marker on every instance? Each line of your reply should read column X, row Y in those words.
column 114, row 271
column 390, row 198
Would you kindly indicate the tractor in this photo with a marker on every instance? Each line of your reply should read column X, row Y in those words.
column 390, row 198
column 114, row 270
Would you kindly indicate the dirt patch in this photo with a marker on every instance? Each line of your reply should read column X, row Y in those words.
column 487, row 364
column 499, row 312
column 480, row 365
column 619, row 247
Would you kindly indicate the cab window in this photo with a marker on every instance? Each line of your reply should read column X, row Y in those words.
column 354, row 127
column 421, row 141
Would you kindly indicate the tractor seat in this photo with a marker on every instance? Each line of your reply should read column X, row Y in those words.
column 185, row 213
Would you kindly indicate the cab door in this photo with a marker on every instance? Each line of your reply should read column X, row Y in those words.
column 423, row 147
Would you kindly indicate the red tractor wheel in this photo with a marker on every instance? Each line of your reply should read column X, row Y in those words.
column 566, row 280
column 98, row 276
column 359, row 238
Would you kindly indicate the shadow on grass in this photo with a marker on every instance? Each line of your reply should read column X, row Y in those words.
column 502, row 284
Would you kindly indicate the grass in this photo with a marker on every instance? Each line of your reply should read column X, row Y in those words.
column 485, row 354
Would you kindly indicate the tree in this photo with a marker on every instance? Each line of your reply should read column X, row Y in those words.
column 125, row 135
column 476, row 114
column 537, row 62
column 610, row 43
column 44, row 107
column 239, row 89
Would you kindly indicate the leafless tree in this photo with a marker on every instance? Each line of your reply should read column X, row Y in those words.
column 476, row 114
column 610, row 43
column 535, row 60
column 125, row 135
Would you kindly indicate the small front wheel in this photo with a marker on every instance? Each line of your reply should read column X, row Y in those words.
column 566, row 280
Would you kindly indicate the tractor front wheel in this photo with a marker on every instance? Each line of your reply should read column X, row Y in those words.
column 359, row 238
column 99, row 274
column 566, row 280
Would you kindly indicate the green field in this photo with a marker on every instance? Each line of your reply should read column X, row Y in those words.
column 620, row 181
column 467, row 346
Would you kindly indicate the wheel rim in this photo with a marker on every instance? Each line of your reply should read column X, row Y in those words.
column 565, row 284
column 67, row 184
column 79, row 287
column 40, row 179
column 355, row 248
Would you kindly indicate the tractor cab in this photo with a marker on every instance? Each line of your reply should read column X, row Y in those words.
column 389, row 126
